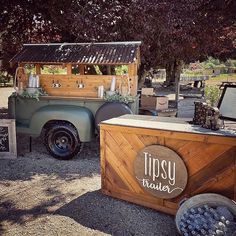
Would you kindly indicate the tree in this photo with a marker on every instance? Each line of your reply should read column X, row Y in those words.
column 173, row 32
column 186, row 31
column 22, row 22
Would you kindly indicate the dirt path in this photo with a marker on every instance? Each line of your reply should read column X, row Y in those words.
column 40, row 195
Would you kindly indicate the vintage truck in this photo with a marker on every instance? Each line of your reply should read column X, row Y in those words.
column 65, row 97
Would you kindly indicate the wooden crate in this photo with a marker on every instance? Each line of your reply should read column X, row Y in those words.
column 210, row 161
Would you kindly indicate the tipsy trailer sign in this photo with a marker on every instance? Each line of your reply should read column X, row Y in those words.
column 160, row 171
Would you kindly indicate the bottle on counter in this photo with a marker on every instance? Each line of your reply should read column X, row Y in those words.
column 37, row 81
column 31, row 81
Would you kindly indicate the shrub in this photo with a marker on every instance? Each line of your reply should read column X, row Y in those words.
column 212, row 95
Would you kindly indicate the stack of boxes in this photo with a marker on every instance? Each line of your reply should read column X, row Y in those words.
column 151, row 101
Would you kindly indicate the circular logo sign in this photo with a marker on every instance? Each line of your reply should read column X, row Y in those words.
column 160, row 171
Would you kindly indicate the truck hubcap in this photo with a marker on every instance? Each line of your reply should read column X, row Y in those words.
column 63, row 141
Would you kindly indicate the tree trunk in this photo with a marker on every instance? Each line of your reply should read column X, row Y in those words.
column 173, row 70
column 169, row 73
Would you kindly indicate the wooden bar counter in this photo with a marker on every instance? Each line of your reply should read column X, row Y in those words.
column 208, row 161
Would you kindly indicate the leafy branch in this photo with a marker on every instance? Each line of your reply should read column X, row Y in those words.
column 35, row 95
column 119, row 98
column 212, row 95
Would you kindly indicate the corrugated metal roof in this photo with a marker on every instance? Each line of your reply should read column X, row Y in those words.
column 81, row 53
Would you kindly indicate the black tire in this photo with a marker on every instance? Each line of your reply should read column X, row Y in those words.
column 62, row 141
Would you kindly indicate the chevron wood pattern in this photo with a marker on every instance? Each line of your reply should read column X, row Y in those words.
column 210, row 161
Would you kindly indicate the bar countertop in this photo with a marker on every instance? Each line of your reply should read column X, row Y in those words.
column 166, row 123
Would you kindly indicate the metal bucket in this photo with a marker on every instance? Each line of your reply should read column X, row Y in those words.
column 210, row 199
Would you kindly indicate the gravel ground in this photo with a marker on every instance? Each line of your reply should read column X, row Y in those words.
column 40, row 195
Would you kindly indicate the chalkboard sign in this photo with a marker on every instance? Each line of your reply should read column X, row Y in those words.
column 227, row 103
column 4, row 139
column 7, row 138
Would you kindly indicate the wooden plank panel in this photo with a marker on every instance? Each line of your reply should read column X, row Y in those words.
column 228, row 192
column 114, row 178
column 81, row 69
column 226, row 160
column 57, row 92
column 148, row 140
column 103, row 157
column 171, row 205
column 211, row 165
column 205, row 186
column 69, row 69
column 134, row 141
column 124, row 144
column 121, row 153
column 175, row 144
column 204, row 157
column 235, row 179
column 173, row 135
column 142, row 196
column 131, row 70
column 224, row 181
column 82, row 93
column 37, row 69
column 120, row 162
column 91, row 82
column 124, row 174
column 191, row 149
column 222, row 184
column 139, row 199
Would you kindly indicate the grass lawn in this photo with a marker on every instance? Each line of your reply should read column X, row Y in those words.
column 220, row 78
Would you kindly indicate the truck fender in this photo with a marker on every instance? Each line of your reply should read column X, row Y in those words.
column 81, row 117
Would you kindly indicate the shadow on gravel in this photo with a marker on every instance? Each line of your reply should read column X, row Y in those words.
column 116, row 217
column 11, row 213
column 39, row 162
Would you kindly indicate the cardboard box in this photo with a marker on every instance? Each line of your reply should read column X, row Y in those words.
column 147, row 91
column 154, row 102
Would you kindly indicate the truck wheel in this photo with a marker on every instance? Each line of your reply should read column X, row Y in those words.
column 62, row 141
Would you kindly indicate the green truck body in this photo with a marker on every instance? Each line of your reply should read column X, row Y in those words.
column 33, row 115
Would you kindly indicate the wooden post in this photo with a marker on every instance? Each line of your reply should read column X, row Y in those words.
column 69, row 69
column 178, row 68
column 177, row 88
column 138, row 61
column 133, row 78
column 30, row 144
column 109, row 70
column 81, row 69
column 11, row 64
column 37, row 69
column 21, row 64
